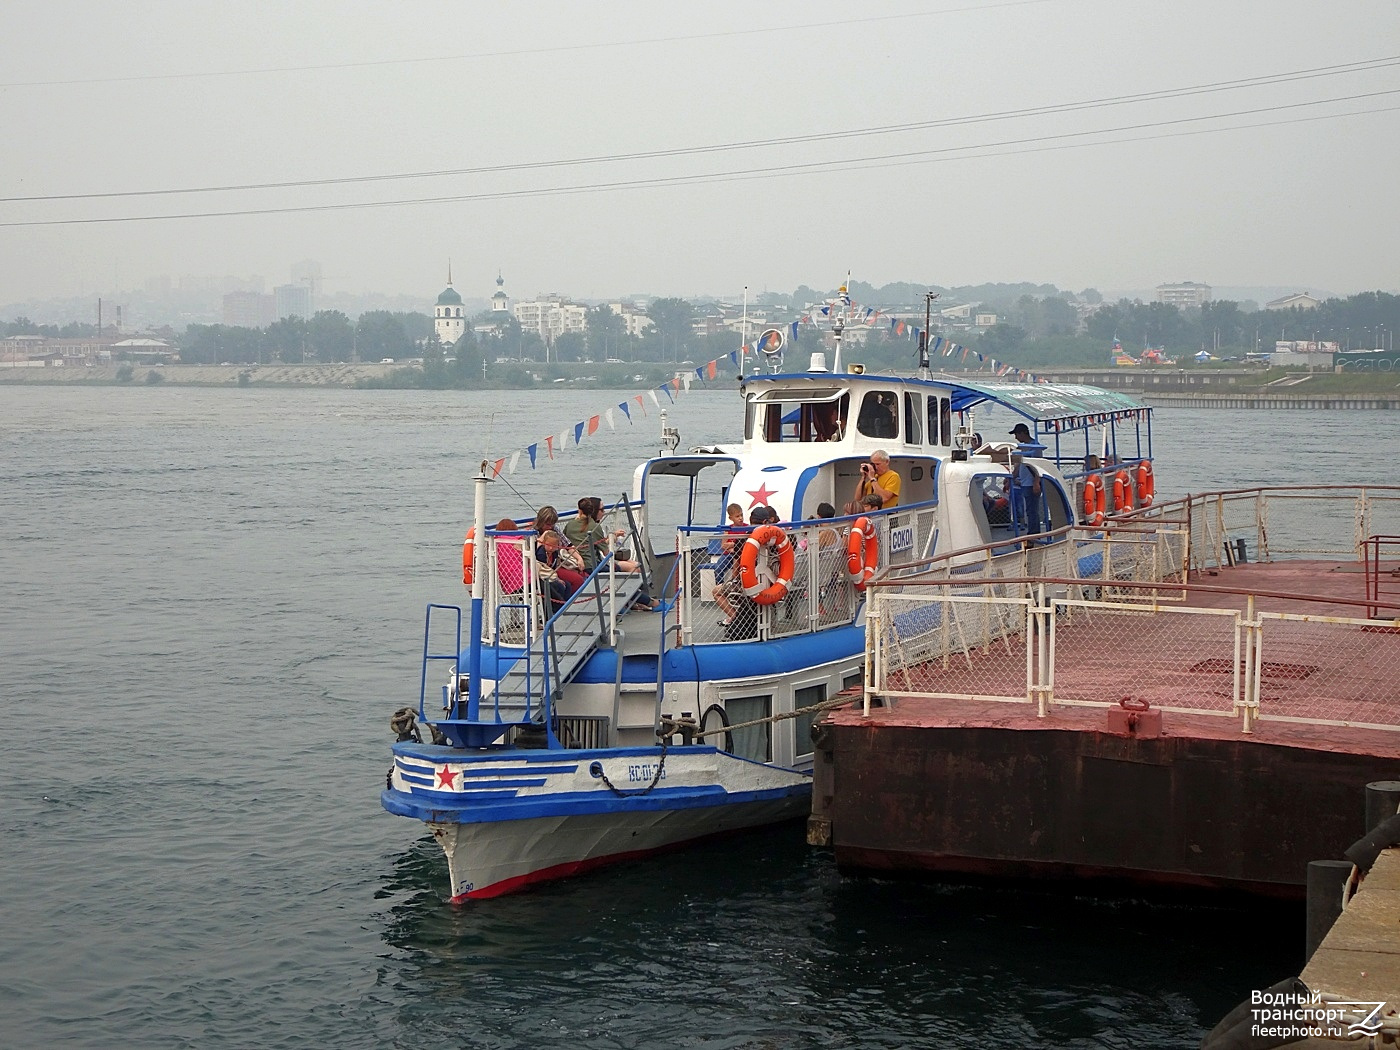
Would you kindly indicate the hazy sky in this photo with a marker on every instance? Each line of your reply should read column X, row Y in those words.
column 607, row 148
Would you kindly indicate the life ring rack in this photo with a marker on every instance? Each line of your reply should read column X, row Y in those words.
column 862, row 553
column 766, row 536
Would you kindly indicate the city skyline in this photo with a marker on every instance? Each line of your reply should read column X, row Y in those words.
column 1078, row 143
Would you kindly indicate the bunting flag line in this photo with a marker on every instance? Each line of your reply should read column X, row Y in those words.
column 682, row 382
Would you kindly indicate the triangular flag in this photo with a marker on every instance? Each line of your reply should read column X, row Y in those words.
column 654, row 400
column 500, row 463
column 514, row 460
column 578, row 433
column 625, row 410
column 593, row 424
column 549, row 445
column 608, row 415
column 533, row 449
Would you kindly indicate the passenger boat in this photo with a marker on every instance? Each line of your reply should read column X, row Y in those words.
column 550, row 740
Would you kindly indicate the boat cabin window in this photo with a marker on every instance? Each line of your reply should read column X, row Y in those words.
column 753, row 742
column 994, row 491
column 821, row 419
column 879, row 415
column 940, row 421
column 913, row 416
column 805, row 696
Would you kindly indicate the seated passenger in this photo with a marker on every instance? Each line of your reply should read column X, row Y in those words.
column 561, row 565
column 730, row 592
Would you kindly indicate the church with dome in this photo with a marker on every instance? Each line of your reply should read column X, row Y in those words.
column 450, row 316
column 449, row 319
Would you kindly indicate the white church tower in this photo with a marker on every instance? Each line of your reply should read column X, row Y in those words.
column 448, row 320
column 500, row 302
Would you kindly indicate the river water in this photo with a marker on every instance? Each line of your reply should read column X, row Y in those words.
column 213, row 602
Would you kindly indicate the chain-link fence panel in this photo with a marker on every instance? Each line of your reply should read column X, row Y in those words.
column 1170, row 657
column 1330, row 669
column 932, row 643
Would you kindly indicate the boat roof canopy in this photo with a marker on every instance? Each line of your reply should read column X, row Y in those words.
column 1053, row 407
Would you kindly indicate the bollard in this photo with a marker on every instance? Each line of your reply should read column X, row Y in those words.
column 1382, row 801
column 1326, row 881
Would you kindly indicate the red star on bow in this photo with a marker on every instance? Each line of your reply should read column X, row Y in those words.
column 760, row 495
column 446, row 777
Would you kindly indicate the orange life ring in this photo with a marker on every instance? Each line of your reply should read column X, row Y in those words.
column 862, row 552
column 468, row 553
column 1122, row 492
column 766, row 536
column 1093, row 500
column 1146, row 487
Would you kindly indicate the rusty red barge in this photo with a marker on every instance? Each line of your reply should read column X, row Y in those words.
column 1193, row 696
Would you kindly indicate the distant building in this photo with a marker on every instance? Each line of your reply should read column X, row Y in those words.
column 985, row 320
column 634, row 321
column 500, row 302
column 448, row 320
column 551, row 316
column 157, row 351
column 1186, row 293
column 1298, row 300
column 292, row 300
column 249, row 310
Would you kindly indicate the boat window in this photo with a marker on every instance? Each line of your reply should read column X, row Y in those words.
column 853, row 680
column 913, row 418
column 805, row 420
column 879, row 415
column 807, row 696
column 994, row 490
column 945, row 415
column 753, row 742
column 935, row 435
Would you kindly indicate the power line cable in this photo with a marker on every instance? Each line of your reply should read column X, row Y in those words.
column 1264, row 80
column 813, row 167
column 844, row 23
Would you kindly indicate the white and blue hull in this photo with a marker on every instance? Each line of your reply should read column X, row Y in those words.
column 506, row 820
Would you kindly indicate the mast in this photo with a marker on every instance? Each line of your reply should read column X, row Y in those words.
column 744, row 333
column 478, row 588
column 838, row 321
column 924, row 371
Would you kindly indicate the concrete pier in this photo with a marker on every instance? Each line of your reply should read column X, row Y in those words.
column 1359, row 960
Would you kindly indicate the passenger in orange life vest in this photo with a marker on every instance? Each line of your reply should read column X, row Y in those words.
column 878, row 479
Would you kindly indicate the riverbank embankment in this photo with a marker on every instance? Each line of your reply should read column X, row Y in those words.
column 205, row 375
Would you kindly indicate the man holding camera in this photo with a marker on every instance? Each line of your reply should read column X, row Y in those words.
column 878, row 479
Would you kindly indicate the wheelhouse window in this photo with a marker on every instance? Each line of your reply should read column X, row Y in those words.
column 913, row 416
column 776, row 416
column 879, row 414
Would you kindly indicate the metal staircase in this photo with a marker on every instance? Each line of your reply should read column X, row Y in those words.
column 527, row 693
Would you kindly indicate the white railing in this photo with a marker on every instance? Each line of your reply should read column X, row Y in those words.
column 821, row 594
column 1047, row 650
column 1102, row 618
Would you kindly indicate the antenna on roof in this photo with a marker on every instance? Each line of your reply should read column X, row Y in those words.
column 924, row 371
